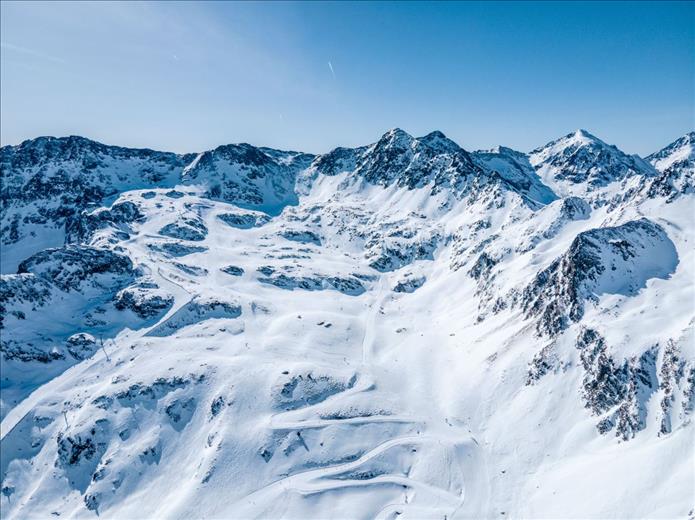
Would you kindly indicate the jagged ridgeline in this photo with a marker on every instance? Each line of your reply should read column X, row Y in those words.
column 403, row 328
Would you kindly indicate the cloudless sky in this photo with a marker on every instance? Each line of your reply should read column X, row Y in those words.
column 312, row 76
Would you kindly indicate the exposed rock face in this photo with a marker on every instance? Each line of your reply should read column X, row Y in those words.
column 76, row 155
column 482, row 266
column 574, row 208
column 81, row 345
column 48, row 182
column 544, row 362
column 580, row 157
column 233, row 270
column 80, row 452
column 186, row 229
column 22, row 289
column 80, row 228
column 21, row 295
column 180, row 412
column 248, row 176
column 303, row 236
column 176, row 249
column 618, row 392
column 409, row 284
column 604, row 384
column 413, row 163
column 350, row 286
column 138, row 393
column 400, row 246
column 432, row 161
column 677, row 383
column 15, row 351
column 615, row 260
column 310, row 282
column 676, row 167
column 338, row 161
column 244, row 220
column 305, row 389
column 73, row 267
column 146, row 300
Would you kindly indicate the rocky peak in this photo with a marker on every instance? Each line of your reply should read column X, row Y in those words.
column 581, row 134
column 439, row 142
column 399, row 158
column 682, row 149
column 676, row 166
column 582, row 158
column 395, row 137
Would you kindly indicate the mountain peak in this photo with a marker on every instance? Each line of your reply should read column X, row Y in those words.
column 502, row 150
column 685, row 145
column 436, row 133
column 396, row 133
column 439, row 142
column 579, row 137
column 676, row 166
column 395, row 137
column 580, row 133
column 580, row 157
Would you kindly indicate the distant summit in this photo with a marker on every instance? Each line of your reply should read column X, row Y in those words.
column 580, row 158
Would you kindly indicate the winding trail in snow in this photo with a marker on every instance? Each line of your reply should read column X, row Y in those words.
column 325, row 479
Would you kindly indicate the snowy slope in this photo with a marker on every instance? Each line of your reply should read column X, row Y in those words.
column 403, row 329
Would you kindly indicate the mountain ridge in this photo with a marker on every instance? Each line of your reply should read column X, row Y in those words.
column 436, row 133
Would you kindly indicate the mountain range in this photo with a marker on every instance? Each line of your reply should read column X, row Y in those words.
column 405, row 329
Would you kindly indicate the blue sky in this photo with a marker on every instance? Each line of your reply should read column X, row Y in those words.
column 187, row 77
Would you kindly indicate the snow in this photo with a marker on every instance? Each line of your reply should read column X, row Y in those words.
column 301, row 400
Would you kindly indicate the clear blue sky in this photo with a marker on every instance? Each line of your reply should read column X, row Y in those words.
column 187, row 77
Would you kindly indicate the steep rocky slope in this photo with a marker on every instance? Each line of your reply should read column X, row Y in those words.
column 676, row 167
column 582, row 164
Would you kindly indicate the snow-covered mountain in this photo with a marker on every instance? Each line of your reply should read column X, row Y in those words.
column 403, row 329
column 676, row 167
column 582, row 164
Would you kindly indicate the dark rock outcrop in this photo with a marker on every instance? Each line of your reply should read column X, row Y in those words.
column 72, row 267
column 605, row 260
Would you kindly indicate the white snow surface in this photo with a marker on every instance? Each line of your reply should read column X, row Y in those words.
column 265, row 367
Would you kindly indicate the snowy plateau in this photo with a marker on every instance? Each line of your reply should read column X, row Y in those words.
column 401, row 330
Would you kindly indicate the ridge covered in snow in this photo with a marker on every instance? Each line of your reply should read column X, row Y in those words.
column 404, row 329
column 676, row 167
column 582, row 164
